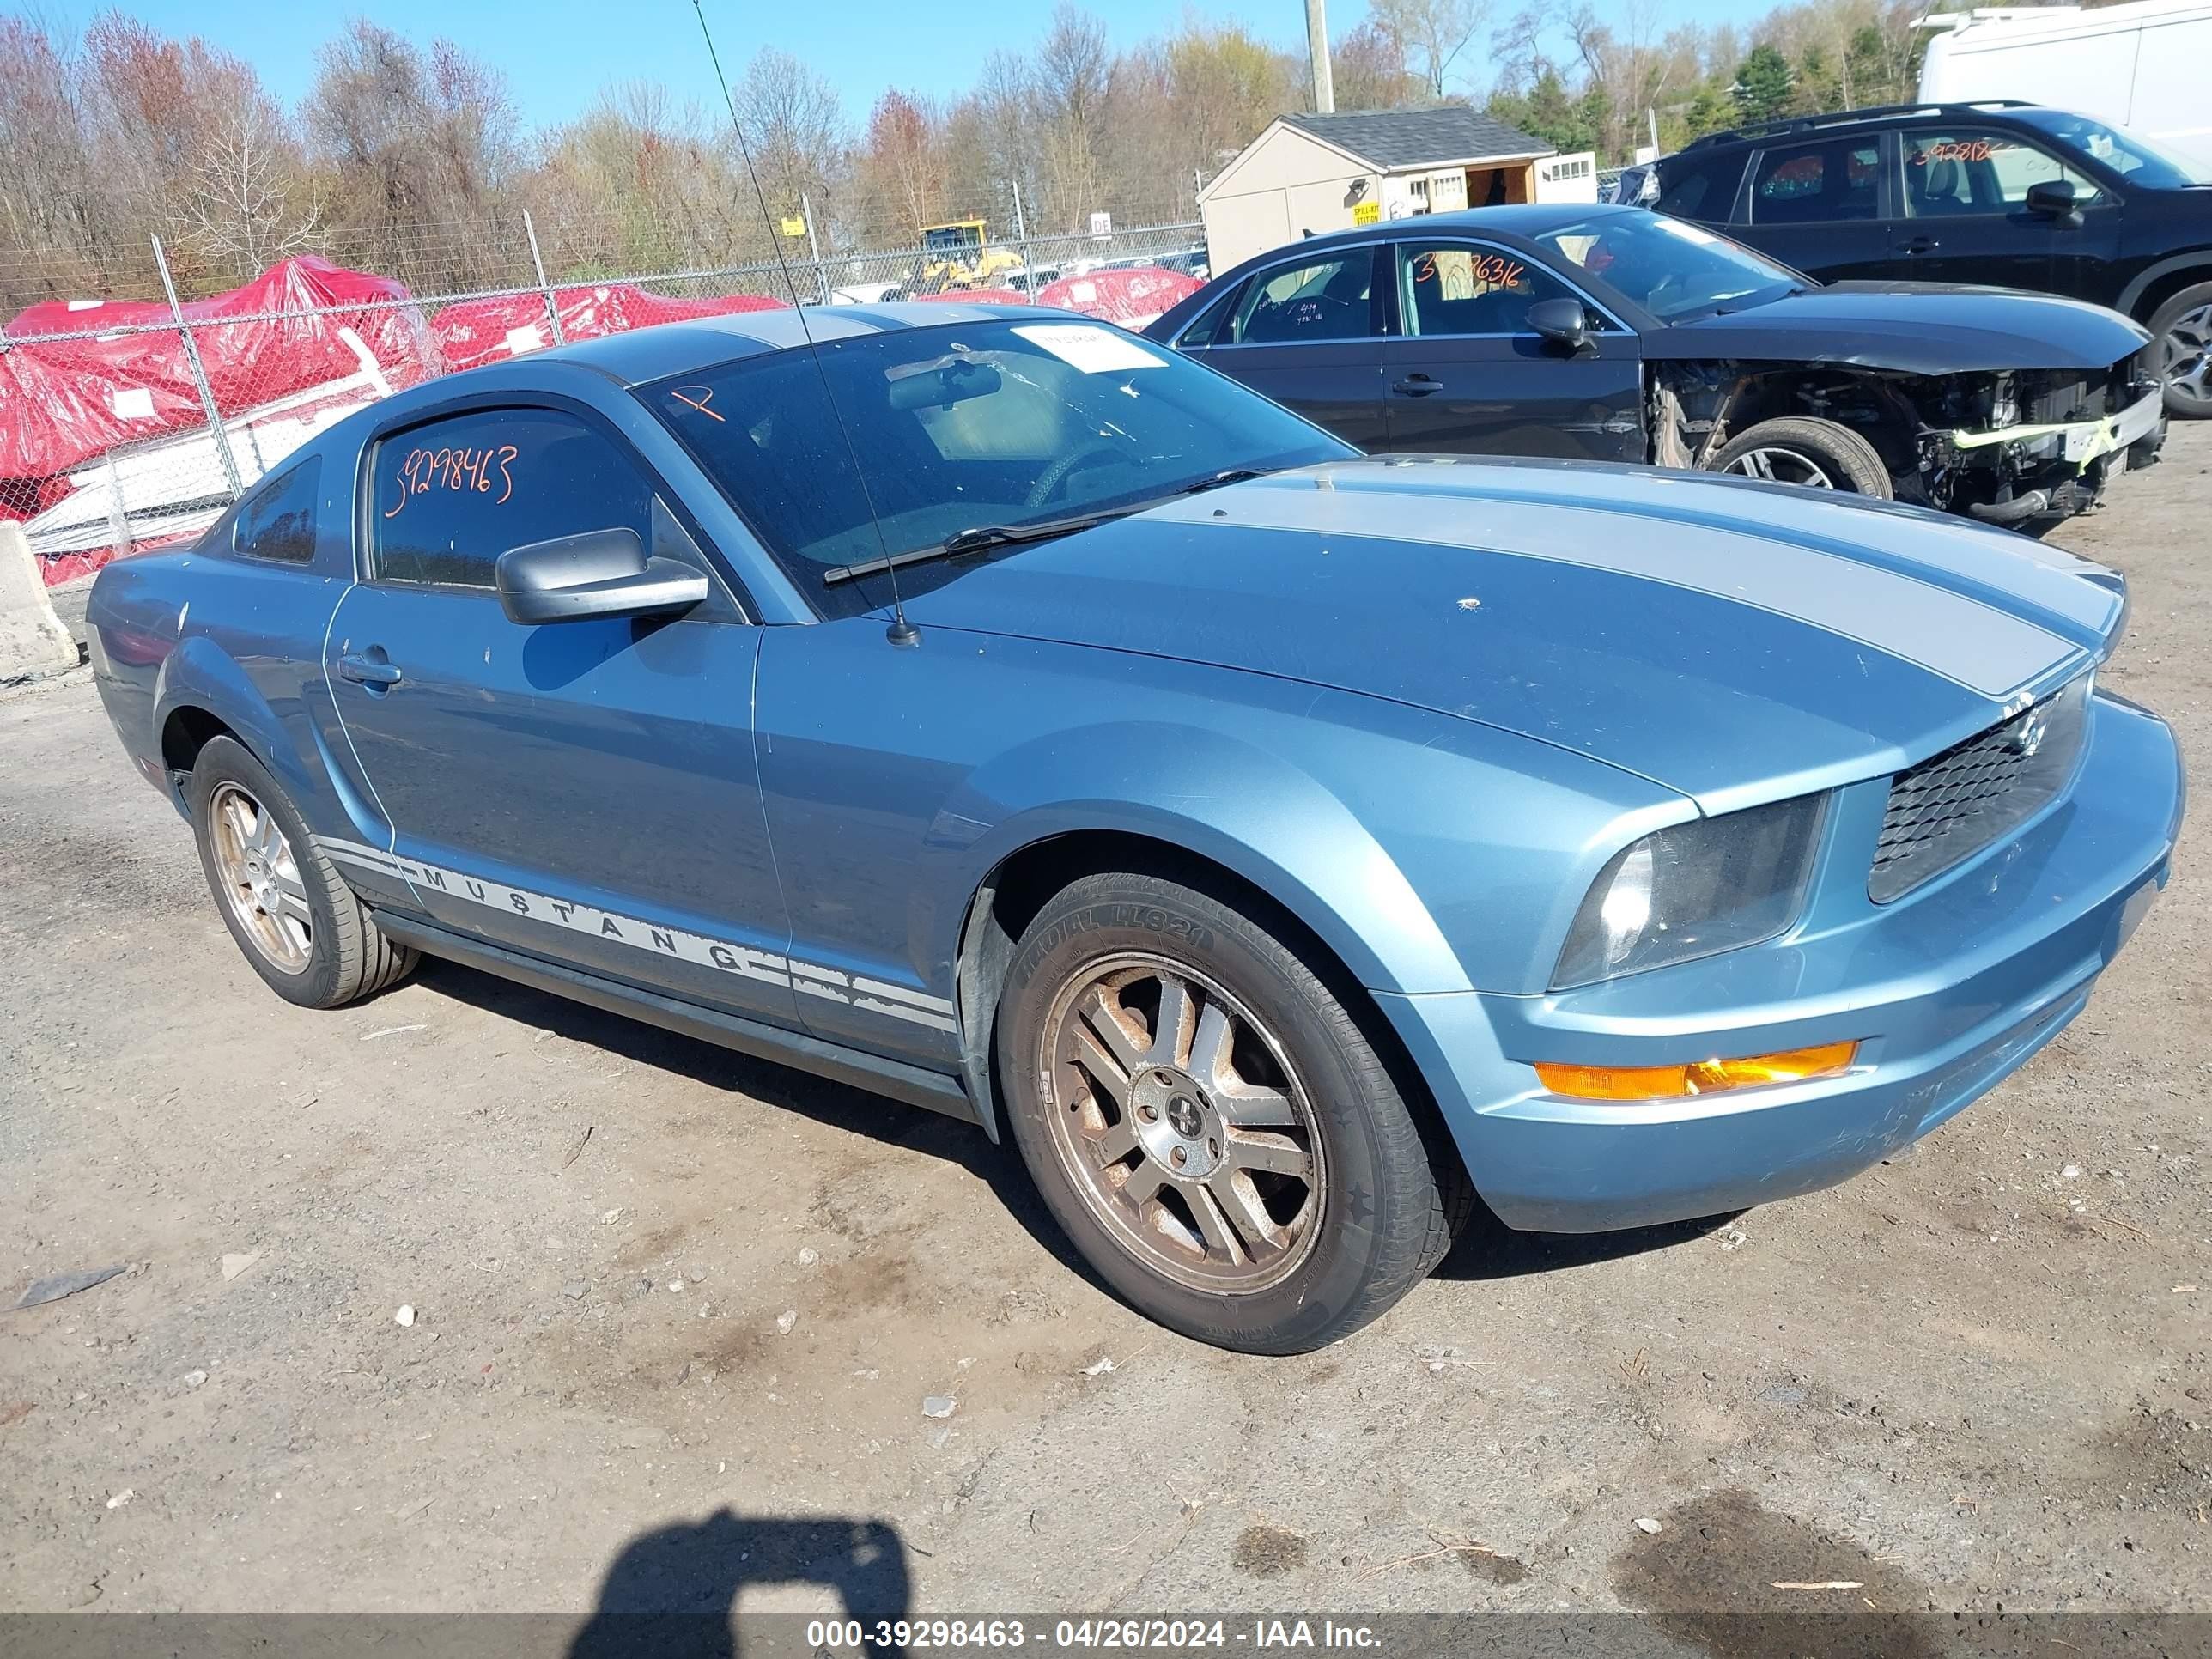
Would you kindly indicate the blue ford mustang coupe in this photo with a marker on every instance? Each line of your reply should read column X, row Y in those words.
column 998, row 712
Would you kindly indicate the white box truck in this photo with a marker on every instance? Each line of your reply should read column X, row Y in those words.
column 2141, row 65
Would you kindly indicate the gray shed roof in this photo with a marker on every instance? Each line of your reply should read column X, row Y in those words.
column 1392, row 138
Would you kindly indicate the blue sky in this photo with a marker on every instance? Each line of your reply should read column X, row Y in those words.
column 557, row 54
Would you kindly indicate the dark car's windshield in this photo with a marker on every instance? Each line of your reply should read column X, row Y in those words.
column 2135, row 158
column 1675, row 270
column 970, row 425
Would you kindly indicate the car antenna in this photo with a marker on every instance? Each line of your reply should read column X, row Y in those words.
column 901, row 632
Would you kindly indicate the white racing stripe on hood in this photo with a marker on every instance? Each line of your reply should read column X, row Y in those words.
column 1977, row 645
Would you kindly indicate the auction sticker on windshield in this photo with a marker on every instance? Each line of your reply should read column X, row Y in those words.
column 1094, row 350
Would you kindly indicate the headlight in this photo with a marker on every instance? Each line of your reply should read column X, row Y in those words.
column 1708, row 885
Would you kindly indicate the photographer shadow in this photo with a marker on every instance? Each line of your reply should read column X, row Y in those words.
column 673, row 1592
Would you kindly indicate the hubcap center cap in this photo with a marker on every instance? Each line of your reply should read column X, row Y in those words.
column 1177, row 1124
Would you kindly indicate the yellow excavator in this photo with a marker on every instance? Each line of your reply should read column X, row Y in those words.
column 954, row 257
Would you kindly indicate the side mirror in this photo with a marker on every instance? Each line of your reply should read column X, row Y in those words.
column 1562, row 322
column 2053, row 198
column 600, row 573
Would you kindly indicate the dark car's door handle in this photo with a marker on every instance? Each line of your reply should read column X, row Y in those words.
column 1417, row 385
column 367, row 671
column 1918, row 245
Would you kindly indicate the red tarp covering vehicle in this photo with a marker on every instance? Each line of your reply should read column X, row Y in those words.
column 978, row 296
column 1131, row 298
column 63, row 401
column 476, row 331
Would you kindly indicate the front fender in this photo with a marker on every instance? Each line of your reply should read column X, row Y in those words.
column 1431, row 853
column 1252, row 812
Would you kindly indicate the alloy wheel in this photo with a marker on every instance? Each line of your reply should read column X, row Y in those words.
column 1183, row 1124
column 261, row 878
column 2184, row 353
column 1788, row 466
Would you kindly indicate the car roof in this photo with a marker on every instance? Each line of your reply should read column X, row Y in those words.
column 1761, row 132
column 651, row 354
column 1516, row 219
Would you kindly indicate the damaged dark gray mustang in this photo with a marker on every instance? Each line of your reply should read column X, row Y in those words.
column 1613, row 334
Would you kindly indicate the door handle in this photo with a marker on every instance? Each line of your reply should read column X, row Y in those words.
column 1918, row 245
column 372, row 672
column 1418, row 386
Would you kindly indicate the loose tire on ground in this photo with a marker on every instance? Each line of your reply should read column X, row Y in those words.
column 345, row 957
column 1800, row 449
column 1266, row 1069
column 2181, row 334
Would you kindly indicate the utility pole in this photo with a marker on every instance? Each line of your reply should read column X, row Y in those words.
column 1324, row 89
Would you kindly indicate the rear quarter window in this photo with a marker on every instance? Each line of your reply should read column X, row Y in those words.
column 275, row 524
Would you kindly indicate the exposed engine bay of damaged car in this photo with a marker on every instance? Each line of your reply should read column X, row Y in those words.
column 2023, row 447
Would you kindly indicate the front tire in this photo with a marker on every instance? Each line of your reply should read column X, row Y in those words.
column 1817, row 455
column 2181, row 333
column 295, row 919
column 1211, row 1128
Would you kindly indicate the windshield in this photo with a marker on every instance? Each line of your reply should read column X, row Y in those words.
column 960, row 426
column 943, row 238
column 1675, row 270
column 2135, row 158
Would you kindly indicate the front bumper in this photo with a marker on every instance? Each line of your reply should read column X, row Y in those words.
column 2062, row 467
column 1946, row 991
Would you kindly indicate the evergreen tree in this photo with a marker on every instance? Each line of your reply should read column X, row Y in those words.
column 1763, row 85
column 1819, row 88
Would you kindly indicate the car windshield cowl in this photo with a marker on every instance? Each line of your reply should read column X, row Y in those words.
column 1749, row 300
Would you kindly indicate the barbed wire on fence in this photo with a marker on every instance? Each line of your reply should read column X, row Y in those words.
column 140, row 426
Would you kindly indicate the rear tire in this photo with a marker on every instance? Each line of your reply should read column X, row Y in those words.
column 295, row 919
column 2181, row 334
column 1816, row 454
column 1288, row 1196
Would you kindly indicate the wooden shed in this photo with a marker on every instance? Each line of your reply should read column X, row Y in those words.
column 1308, row 173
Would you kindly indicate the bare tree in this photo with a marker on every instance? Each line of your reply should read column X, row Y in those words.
column 55, row 234
column 795, row 128
column 245, row 205
column 1069, row 99
column 1432, row 34
column 900, row 175
column 1370, row 70
column 422, row 150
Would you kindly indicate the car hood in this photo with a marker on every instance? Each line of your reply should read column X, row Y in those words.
column 1736, row 641
column 1920, row 328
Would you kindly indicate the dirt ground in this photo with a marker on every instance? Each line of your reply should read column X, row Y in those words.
column 676, row 1312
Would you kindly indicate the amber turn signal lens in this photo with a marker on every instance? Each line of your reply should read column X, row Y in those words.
column 1700, row 1076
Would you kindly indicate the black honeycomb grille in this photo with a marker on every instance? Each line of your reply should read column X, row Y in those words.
column 1952, row 805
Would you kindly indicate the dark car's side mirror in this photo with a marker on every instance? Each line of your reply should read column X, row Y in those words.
column 1562, row 322
column 600, row 573
column 2053, row 198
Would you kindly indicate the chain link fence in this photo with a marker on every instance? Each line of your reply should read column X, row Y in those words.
column 127, row 425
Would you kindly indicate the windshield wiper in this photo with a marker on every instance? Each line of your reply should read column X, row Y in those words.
column 975, row 540
column 978, row 538
column 1234, row 474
